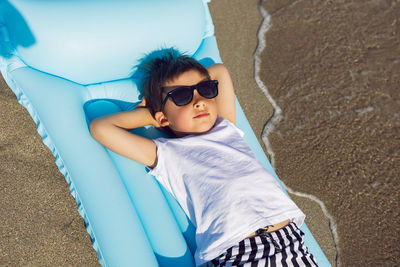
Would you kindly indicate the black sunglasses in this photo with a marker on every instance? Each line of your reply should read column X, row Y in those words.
column 183, row 95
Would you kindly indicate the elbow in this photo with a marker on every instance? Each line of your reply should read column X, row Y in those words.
column 94, row 128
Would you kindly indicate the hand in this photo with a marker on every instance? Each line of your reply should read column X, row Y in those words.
column 152, row 121
column 142, row 104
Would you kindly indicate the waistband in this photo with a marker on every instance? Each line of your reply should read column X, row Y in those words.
column 284, row 230
column 270, row 228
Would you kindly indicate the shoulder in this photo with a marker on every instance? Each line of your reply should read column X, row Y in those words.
column 225, row 128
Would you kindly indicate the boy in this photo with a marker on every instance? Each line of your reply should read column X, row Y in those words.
column 241, row 214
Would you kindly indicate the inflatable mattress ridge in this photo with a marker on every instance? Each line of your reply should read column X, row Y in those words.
column 24, row 101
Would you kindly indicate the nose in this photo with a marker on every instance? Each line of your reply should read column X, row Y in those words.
column 198, row 100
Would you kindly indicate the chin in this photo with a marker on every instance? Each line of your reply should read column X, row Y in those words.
column 202, row 128
column 206, row 128
column 195, row 131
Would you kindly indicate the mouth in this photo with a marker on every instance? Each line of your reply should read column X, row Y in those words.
column 201, row 115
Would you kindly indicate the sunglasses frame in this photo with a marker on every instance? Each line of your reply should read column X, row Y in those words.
column 189, row 87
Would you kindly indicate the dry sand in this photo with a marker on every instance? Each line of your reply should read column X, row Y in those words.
column 40, row 224
column 333, row 69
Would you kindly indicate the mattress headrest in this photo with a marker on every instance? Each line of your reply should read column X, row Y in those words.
column 89, row 41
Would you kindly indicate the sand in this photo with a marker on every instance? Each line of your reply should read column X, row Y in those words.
column 40, row 224
column 333, row 69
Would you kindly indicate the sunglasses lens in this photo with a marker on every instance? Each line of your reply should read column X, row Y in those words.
column 182, row 96
column 208, row 89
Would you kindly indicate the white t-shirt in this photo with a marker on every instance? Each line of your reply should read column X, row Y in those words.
column 224, row 190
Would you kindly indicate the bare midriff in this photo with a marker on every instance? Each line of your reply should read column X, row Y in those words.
column 272, row 228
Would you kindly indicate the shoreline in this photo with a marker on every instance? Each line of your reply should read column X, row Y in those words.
column 254, row 100
column 336, row 83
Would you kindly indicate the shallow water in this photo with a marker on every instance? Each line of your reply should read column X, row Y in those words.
column 334, row 71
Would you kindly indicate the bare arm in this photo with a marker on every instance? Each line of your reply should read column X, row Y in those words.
column 112, row 132
column 226, row 96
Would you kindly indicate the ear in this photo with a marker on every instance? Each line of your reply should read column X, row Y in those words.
column 161, row 119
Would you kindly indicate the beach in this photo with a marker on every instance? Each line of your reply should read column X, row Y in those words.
column 333, row 67
column 322, row 96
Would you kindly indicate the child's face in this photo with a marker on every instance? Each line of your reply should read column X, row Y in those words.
column 198, row 116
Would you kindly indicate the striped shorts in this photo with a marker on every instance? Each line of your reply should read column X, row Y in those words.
column 284, row 247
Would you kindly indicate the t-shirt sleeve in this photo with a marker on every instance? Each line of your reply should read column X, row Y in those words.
column 241, row 133
column 160, row 170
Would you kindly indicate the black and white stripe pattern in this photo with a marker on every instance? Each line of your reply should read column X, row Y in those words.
column 284, row 247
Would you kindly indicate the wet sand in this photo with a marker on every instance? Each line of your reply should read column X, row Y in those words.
column 333, row 67
column 238, row 45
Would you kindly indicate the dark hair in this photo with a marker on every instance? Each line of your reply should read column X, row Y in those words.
column 162, row 66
